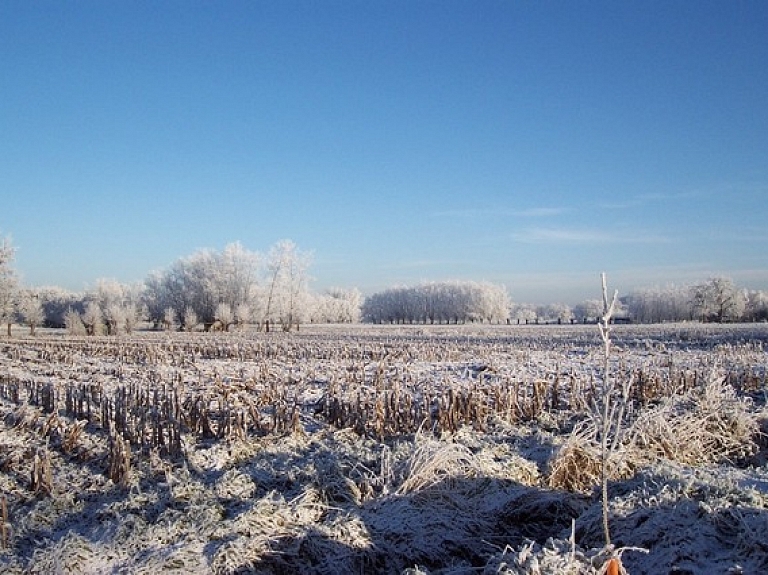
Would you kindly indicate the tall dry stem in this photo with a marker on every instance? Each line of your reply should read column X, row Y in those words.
column 610, row 406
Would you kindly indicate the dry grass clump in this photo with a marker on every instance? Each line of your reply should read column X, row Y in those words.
column 577, row 464
column 502, row 462
column 436, row 462
column 705, row 425
column 269, row 535
column 708, row 424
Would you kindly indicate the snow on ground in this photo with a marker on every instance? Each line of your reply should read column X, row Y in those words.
column 314, row 498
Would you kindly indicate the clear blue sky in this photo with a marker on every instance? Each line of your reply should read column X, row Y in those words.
column 533, row 144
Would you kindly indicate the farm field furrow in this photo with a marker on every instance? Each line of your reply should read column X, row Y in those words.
column 382, row 449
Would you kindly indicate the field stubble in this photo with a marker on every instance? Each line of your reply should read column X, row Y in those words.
column 419, row 449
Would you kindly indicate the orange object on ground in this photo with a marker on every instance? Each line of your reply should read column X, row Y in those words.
column 612, row 566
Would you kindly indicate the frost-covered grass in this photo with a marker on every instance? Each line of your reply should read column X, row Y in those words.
column 381, row 449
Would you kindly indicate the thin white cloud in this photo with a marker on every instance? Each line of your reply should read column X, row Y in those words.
column 539, row 212
column 476, row 212
column 584, row 236
column 421, row 264
column 648, row 198
column 751, row 234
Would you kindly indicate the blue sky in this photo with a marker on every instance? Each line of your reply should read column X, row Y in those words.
column 532, row 144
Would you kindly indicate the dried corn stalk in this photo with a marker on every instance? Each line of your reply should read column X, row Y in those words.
column 5, row 527
column 119, row 463
column 41, row 479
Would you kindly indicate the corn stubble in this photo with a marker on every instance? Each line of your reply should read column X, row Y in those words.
column 395, row 450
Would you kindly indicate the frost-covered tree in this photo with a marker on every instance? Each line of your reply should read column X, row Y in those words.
column 243, row 314
column 555, row 313
column 201, row 282
column 30, row 309
column 660, row 304
column 190, row 319
column 224, row 316
column 237, row 269
column 156, row 297
column 718, row 299
column 284, row 298
column 131, row 316
column 119, row 304
column 169, row 319
column 756, row 307
column 73, row 321
column 590, row 310
column 337, row 305
column 93, row 319
column 491, row 302
column 523, row 313
column 9, row 284
column 56, row 302
column 440, row 302
column 109, row 297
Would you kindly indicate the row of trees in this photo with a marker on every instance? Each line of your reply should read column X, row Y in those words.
column 208, row 290
column 226, row 289
column 717, row 300
column 441, row 302
column 234, row 287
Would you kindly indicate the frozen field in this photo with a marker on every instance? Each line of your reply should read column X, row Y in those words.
column 381, row 449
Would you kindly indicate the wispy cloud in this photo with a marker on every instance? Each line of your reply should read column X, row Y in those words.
column 539, row 212
column 584, row 236
column 648, row 198
column 422, row 264
column 477, row 212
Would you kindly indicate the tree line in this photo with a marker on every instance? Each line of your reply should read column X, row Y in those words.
column 439, row 302
column 228, row 289
column 208, row 290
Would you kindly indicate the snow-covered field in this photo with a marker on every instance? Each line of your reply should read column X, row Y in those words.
column 381, row 449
